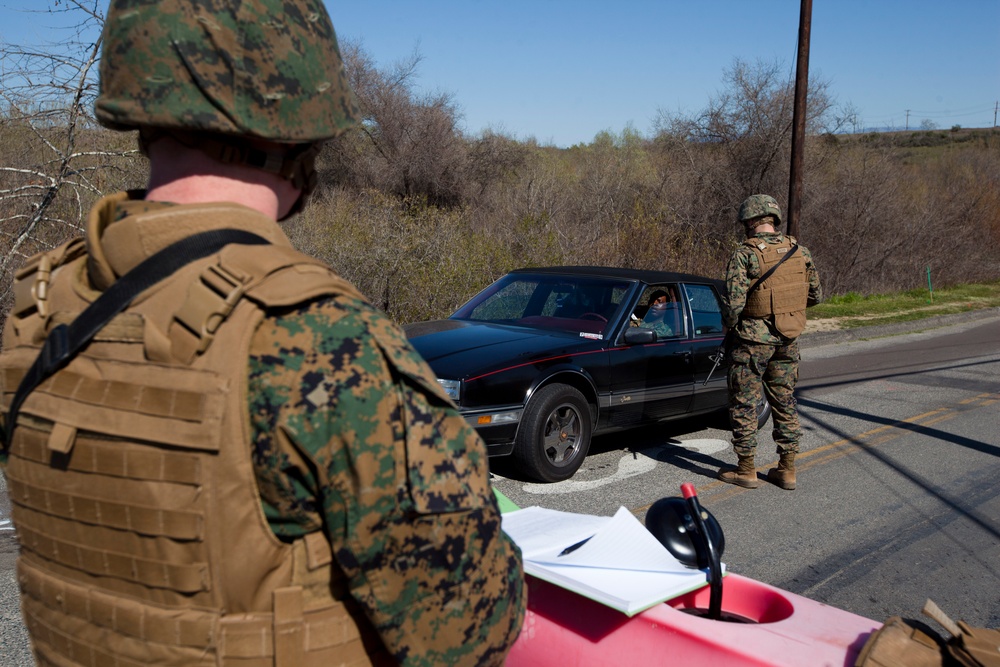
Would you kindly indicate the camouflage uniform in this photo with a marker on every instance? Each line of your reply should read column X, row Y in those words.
column 662, row 329
column 761, row 359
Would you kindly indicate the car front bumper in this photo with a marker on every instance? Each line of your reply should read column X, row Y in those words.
column 497, row 426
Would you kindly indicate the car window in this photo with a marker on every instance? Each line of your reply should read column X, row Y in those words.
column 509, row 302
column 706, row 312
column 565, row 300
column 584, row 305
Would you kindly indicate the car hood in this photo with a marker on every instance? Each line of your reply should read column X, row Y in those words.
column 458, row 349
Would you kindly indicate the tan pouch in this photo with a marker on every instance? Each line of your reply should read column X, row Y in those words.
column 898, row 644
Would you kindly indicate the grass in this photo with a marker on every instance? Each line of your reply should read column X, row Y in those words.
column 854, row 310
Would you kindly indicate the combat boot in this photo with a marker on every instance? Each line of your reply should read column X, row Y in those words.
column 744, row 474
column 784, row 475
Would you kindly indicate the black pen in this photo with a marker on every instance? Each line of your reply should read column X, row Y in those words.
column 573, row 547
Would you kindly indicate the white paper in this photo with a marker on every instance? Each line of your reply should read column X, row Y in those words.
column 540, row 532
column 622, row 543
column 621, row 564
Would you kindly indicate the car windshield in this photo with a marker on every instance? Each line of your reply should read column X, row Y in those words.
column 581, row 305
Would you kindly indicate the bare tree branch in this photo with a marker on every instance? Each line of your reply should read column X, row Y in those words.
column 56, row 160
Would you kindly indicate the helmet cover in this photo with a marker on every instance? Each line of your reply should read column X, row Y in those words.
column 757, row 206
column 260, row 68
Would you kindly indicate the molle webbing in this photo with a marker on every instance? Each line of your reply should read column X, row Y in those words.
column 143, row 539
column 153, row 466
column 126, row 395
column 325, row 637
column 117, row 509
column 63, row 342
column 182, row 409
column 177, row 525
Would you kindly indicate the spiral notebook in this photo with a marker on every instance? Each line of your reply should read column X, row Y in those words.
column 613, row 560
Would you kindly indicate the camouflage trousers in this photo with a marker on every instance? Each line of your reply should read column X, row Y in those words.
column 773, row 369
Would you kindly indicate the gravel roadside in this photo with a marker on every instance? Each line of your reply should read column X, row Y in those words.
column 818, row 337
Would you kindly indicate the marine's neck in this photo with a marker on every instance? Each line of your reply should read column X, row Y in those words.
column 183, row 175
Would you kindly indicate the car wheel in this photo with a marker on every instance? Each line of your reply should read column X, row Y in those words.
column 763, row 411
column 763, row 414
column 554, row 436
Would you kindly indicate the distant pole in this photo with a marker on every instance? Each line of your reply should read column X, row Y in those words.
column 799, row 118
column 907, row 119
column 996, row 105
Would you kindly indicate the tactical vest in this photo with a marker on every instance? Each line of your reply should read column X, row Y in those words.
column 143, row 540
column 784, row 294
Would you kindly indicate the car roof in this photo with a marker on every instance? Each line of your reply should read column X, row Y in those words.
column 622, row 273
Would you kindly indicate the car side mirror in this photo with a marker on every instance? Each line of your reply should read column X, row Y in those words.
column 639, row 336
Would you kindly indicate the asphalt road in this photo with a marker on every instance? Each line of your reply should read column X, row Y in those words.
column 897, row 497
column 13, row 636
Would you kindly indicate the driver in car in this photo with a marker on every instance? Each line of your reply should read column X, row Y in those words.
column 655, row 317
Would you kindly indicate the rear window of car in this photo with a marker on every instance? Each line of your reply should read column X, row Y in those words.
column 706, row 312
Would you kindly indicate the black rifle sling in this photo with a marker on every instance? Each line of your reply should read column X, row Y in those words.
column 65, row 341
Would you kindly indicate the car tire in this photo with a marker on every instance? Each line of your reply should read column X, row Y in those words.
column 763, row 412
column 554, row 435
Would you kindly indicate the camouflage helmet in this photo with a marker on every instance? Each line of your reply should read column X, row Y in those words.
column 757, row 206
column 269, row 69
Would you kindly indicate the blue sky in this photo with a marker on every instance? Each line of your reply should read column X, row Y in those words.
column 563, row 70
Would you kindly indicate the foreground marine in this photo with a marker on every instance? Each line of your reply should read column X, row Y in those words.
column 243, row 463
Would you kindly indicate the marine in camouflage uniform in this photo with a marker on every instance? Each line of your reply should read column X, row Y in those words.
column 350, row 438
column 764, row 356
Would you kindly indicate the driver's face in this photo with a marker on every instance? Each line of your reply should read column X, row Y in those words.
column 658, row 305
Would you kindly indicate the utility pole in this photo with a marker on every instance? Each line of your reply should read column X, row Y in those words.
column 799, row 118
column 996, row 105
column 907, row 119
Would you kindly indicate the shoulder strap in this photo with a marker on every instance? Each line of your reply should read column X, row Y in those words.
column 65, row 341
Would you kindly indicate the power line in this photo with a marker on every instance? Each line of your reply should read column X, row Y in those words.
column 950, row 110
column 950, row 113
column 933, row 114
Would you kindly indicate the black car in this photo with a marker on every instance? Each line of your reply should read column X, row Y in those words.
column 544, row 358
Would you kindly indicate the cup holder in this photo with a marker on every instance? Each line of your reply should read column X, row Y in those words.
column 743, row 601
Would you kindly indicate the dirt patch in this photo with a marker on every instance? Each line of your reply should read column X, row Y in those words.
column 825, row 324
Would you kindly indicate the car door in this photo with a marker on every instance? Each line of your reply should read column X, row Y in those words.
column 652, row 380
column 705, row 308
